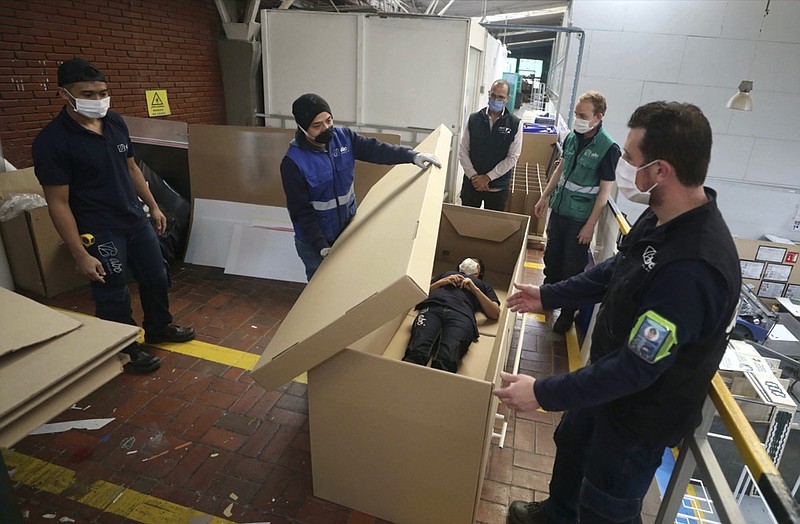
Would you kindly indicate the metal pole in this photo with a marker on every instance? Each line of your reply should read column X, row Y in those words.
column 558, row 29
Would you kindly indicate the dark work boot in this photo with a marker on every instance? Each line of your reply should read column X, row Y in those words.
column 521, row 512
column 564, row 321
column 170, row 333
column 141, row 360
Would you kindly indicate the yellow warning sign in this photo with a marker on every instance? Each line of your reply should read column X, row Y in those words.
column 157, row 103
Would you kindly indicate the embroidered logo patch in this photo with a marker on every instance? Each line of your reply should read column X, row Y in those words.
column 122, row 148
column 652, row 337
column 648, row 258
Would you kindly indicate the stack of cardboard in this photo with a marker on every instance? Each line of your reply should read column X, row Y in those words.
column 49, row 360
column 39, row 260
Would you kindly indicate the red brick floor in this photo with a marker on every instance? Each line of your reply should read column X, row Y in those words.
column 246, row 440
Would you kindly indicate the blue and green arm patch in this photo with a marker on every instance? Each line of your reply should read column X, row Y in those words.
column 652, row 337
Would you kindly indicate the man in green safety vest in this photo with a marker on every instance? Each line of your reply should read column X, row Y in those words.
column 576, row 193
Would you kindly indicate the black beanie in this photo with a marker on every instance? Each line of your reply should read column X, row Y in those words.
column 306, row 108
column 78, row 70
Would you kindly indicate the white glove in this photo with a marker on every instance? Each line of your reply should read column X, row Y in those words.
column 423, row 160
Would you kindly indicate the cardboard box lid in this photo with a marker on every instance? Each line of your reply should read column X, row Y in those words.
column 379, row 268
column 24, row 322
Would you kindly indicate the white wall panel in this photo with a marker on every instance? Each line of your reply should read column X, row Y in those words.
column 716, row 62
column 743, row 19
column 774, row 115
column 675, row 17
column 606, row 16
column 623, row 96
column 774, row 162
column 781, row 24
column 635, row 56
column 752, row 212
column 776, row 67
column 730, row 156
column 706, row 98
column 313, row 53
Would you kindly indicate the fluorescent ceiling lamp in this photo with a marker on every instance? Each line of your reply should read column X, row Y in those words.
column 742, row 101
column 527, row 14
column 529, row 42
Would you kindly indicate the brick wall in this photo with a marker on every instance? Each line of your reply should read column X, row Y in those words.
column 137, row 44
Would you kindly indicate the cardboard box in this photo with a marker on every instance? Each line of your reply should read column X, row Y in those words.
column 770, row 268
column 39, row 260
column 403, row 442
column 49, row 360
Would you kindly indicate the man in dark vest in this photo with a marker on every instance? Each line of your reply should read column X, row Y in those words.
column 489, row 149
column 577, row 192
column 669, row 300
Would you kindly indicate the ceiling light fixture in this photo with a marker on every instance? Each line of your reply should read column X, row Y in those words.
column 526, row 14
column 742, row 101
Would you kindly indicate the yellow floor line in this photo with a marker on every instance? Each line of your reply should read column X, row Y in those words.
column 219, row 354
column 107, row 497
column 573, row 349
column 534, row 265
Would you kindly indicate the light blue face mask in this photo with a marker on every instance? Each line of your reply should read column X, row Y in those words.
column 496, row 106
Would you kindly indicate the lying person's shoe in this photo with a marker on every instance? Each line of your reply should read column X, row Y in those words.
column 564, row 321
column 141, row 360
column 171, row 333
column 521, row 512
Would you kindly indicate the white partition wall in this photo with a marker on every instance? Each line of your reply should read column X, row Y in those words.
column 698, row 52
column 405, row 74
column 373, row 70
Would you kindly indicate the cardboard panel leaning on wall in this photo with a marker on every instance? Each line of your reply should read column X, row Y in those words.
column 242, row 164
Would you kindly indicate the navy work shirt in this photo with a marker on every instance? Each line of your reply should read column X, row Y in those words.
column 94, row 166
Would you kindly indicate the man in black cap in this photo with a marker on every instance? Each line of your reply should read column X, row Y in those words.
column 318, row 172
column 84, row 161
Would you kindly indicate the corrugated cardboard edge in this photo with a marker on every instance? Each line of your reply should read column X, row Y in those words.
column 293, row 349
column 24, row 322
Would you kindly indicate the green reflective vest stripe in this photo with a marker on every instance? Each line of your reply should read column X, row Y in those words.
column 579, row 185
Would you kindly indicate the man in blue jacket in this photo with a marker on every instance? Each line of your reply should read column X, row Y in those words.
column 318, row 173
column 669, row 300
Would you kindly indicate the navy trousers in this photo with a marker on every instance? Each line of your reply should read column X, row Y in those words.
column 441, row 333
column 600, row 476
column 139, row 250
column 564, row 256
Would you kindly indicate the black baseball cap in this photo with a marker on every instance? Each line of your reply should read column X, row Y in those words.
column 78, row 70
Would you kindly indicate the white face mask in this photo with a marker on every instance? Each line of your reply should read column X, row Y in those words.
column 91, row 108
column 626, row 182
column 582, row 126
column 469, row 266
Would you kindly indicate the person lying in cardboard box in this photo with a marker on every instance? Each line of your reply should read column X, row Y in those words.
column 445, row 325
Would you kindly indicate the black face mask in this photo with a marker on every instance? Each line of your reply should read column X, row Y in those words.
column 325, row 136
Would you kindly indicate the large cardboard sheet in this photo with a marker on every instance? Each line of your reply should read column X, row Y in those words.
column 30, row 373
column 24, row 323
column 372, row 275
column 242, row 164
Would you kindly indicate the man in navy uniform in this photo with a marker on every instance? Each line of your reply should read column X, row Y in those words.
column 669, row 300
column 84, row 160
